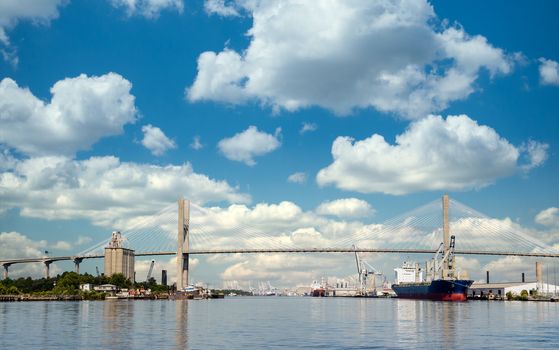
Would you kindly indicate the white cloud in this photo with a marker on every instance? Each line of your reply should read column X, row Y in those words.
column 535, row 153
column 244, row 146
column 82, row 110
column 343, row 55
column 548, row 217
column 14, row 11
column 308, row 127
column 510, row 268
column 549, row 72
column 221, row 8
column 196, row 143
column 297, row 178
column 432, row 154
column 170, row 264
column 103, row 189
column 346, row 208
column 148, row 8
column 61, row 245
column 156, row 141
column 15, row 245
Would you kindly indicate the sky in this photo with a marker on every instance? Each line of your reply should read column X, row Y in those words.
column 309, row 119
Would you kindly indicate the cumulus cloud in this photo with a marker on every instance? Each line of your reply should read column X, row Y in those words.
column 148, row 8
column 12, row 12
column 346, row 207
column 548, row 217
column 82, row 110
column 308, row 127
column 103, row 189
column 222, row 8
column 246, row 145
column 432, row 154
column 535, row 154
column 196, row 143
column 510, row 268
column 297, row 178
column 549, row 72
column 156, row 141
column 343, row 55
column 170, row 264
column 15, row 245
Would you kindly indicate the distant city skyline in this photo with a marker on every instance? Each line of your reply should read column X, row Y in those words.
column 311, row 118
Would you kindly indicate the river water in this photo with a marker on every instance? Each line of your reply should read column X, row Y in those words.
column 279, row 322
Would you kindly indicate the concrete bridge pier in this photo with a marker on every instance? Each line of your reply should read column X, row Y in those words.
column 6, row 266
column 47, row 268
column 77, row 262
column 183, row 246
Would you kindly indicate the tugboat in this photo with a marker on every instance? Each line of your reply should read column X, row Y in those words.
column 442, row 281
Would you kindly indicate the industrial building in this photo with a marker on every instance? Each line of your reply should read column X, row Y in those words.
column 500, row 290
column 119, row 259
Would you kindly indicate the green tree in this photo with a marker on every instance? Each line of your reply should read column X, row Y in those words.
column 120, row 281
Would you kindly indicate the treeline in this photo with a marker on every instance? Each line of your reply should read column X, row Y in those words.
column 68, row 283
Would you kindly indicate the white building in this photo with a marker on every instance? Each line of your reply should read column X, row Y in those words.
column 86, row 287
column 501, row 289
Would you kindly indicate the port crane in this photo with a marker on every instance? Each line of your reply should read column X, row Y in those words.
column 442, row 262
column 364, row 269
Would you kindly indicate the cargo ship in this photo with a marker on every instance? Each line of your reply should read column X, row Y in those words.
column 442, row 282
column 318, row 289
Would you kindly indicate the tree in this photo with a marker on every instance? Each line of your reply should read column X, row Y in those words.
column 120, row 281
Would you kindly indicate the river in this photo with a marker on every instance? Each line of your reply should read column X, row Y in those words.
column 279, row 322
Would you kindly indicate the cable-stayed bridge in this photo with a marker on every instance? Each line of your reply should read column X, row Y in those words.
column 283, row 228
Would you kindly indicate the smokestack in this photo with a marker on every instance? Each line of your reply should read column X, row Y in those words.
column 523, row 277
column 539, row 277
column 487, row 277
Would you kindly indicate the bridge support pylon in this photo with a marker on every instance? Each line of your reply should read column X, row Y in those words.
column 47, row 268
column 183, row 247
column 77, row 262
column 6, row 266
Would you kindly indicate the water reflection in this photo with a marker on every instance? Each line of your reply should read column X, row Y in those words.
column 418, row 319
column 118, row 324
column 181, row 324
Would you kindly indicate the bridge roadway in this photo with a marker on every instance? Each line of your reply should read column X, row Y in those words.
column 50, row 259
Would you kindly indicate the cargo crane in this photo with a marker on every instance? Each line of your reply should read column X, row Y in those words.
column 364, row 269
column 442, row 262
column 150, row 270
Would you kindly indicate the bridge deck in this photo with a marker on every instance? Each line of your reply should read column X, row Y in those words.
column 286, row 250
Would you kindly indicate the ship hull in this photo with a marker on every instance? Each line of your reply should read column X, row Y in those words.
column 445, row 290
column 320, row 292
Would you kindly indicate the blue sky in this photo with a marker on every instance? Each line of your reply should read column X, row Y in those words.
column 137, row 82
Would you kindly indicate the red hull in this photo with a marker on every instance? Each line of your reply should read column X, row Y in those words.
column 318, row 293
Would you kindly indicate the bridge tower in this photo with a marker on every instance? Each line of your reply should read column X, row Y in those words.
column 183, row 248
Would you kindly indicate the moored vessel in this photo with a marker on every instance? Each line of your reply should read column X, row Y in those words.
column 318, row 289
column 442, row 281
